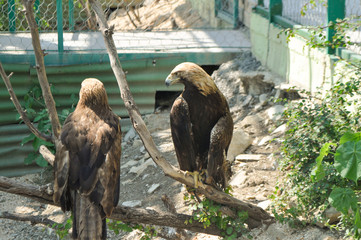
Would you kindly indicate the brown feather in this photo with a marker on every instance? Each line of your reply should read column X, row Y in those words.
column 87, row 165
column 203, row 107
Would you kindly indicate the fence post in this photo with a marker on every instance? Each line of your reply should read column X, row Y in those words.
column 275, row 8
column 335, row 10
column 59, row 14
column 12, row 16
column 71, row 15
column 235, row 13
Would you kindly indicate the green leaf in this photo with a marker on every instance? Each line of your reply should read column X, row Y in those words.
column 229, row 230
column 348, row 160
column 343, row 199
column 357, row 220
column 28, row 138
column 318, row 171
column 350, row 137
column 30, row 158
column 41, row 161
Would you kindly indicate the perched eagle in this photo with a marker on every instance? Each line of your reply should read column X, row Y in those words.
column 201, row 124
column 87, row 162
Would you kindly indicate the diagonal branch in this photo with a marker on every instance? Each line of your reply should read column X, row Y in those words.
column 18, row 107
column 256, row 214
column 40, row 68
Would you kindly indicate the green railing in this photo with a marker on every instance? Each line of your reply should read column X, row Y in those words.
column 335, row 10
column 227, row 10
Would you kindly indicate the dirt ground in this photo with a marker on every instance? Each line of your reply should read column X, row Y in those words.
column 143, row 183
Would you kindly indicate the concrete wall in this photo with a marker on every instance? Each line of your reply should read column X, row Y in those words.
column 206, row 8
column 294, row 61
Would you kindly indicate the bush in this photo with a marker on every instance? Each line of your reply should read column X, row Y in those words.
column 315, row 127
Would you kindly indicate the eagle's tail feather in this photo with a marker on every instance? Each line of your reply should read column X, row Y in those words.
column 89, row 222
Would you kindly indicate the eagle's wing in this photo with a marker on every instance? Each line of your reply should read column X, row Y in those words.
column 182, row 135
column 221, row 135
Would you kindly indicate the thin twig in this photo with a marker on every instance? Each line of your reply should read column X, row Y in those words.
column 18, row 107
column 40, row 69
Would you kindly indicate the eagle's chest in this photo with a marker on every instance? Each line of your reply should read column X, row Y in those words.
column 204, row 113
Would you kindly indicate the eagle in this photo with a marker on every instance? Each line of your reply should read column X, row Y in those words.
column 201, row 125
column 87, row 162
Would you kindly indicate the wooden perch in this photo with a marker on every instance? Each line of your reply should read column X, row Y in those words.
column 18, row 107
column 40, row 68
column 43, row 194
column 256, row 214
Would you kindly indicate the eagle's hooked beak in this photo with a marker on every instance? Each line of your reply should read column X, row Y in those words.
column 170, row 80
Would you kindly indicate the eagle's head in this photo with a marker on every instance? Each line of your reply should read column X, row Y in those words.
column 192, row 76
column 92, row 93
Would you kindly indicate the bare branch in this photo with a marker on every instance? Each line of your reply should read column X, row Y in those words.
column 256, row 215
column 27, row 218
column 18, row 107
column 40, row 68
column 43, row 194
column 47, row 155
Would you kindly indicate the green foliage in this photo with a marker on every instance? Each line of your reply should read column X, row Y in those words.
column 317, row 155
column 118, row 226
column 208, row 212
column 35, row 109
column 62, row 230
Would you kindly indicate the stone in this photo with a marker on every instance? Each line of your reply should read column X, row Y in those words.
column 130, row 134
column 275, row 112
column 239, row 178
column 255, row 84
column 250, row 157
column 263, row 99
column 333, row 215
column 240, row 142
column 137, row 143
column 265, row 140
column 280, row 130
column 129, row 164
column 140, row 169
column 247, row 100
column 264, row 204
column 134, row 203
column 153, row 188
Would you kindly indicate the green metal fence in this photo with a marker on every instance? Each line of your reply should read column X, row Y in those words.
column 287, row 13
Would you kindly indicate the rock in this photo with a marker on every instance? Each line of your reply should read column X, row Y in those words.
column 153, row 188
column 142, row 149
column 252, row 124
column 263, row 99
column 247, row 100
column 333, row 215
column 130, row 134
column 137, row 143
column 286, row 91
column 265, row 140
column 238, row 179
column 250, row 157
column 129, row 164
column 264, row 204
column 280, row 130
column 275, row 112
column 240, row 141
column 140, row 169
column 134, row 203
column 255, row 84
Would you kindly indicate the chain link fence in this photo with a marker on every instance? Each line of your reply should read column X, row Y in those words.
column 353, row 10
column 140, row 24
column 315, row 15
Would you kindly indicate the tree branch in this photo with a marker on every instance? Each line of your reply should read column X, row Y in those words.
column 256, row 214
column 26, row 218
column 18, row 107
column 40, row 68
column 43, row 194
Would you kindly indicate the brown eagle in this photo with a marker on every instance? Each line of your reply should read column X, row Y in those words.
column 87, row 162
column 201, row 124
